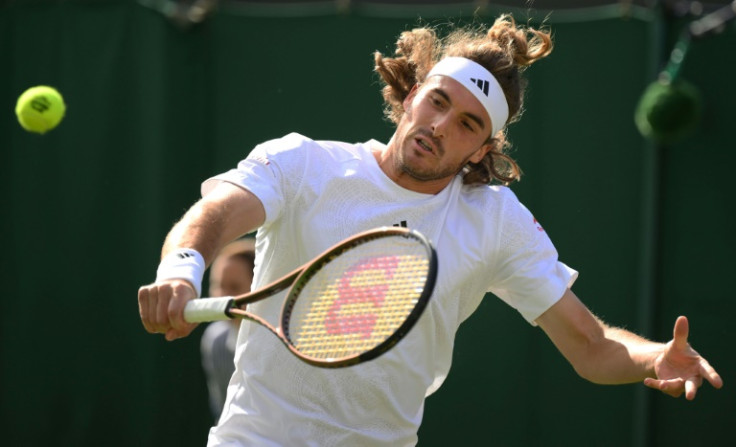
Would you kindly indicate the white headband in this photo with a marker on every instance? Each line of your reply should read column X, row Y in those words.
column 480, row 82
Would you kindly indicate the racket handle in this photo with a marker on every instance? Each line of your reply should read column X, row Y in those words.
column 207, row 309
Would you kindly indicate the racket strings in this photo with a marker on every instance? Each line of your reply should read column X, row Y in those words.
column 359, row 299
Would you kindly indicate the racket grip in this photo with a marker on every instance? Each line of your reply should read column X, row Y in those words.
column 207, row 309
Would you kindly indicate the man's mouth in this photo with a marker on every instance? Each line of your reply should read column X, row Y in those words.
column 426, row 146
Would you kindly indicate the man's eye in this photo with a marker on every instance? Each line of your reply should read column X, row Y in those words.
column 435, row 101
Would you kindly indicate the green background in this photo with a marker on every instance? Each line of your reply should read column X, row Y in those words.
column 155, row 108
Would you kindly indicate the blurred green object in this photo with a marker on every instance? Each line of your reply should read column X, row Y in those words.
column 670, row 108
column 668, row 111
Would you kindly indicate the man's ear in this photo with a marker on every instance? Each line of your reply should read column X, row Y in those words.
column 410, row 97
column 480, row 153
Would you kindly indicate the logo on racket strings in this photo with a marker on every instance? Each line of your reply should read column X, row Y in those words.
column 361, row 290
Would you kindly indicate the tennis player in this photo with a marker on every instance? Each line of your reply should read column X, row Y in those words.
column 442, row 173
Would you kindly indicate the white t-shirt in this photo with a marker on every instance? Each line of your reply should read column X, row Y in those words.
column 317, row 193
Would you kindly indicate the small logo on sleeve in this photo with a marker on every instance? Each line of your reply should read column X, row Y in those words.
column 537, row 224
column 260, row 159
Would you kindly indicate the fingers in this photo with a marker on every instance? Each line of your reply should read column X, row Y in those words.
column 145, row 297
column 676, row 387
column 161, row 307
column 161, row 310
column 710, row 374
column 175, row 311
column 691, row 387
column 672, row 387
column 680, row 333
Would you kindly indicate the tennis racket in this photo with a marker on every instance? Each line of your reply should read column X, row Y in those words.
column 349, row 305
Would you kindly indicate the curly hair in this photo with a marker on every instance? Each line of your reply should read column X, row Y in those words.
column 505, row 49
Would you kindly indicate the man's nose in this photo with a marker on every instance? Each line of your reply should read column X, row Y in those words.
column 439, row 126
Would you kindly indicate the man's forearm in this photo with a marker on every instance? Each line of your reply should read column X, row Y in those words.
column 201, row 229
column 223, row 215
column 621, row 356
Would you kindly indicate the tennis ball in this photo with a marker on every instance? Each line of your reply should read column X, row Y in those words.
column 40, row 109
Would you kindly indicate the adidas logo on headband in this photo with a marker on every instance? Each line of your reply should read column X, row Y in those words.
column 482, row 84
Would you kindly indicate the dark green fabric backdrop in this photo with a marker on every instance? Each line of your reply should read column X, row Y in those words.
column 154, row 109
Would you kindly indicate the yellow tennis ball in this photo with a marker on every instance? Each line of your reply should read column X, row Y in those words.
column 40, row 109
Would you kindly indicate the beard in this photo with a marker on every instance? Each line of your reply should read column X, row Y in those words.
column 415, row 170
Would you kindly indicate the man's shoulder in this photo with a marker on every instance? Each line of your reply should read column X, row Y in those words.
column 329, row 148
column 491, row 203
column 486, row 193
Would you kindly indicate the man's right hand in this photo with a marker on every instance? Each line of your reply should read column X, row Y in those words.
column 161, row 307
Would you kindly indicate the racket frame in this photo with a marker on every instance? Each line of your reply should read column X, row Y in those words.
column 299, row 277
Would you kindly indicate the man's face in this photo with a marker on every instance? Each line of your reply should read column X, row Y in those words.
column 443, row 128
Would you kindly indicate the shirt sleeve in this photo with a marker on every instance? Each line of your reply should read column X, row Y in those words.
column 529, row 277
column 272, row 171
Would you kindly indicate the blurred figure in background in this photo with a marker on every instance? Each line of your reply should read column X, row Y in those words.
column 231, row 274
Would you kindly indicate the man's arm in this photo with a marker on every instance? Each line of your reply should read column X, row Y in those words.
column 607, row 355
column 224, row 214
